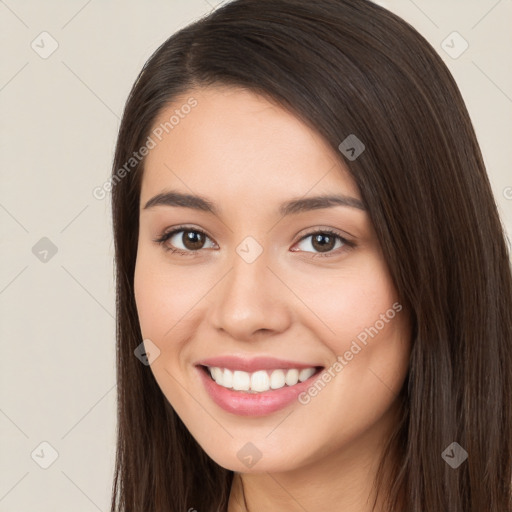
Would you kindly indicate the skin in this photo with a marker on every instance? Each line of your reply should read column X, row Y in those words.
column 248, row 156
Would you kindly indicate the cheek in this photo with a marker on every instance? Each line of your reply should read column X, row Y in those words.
column 349, row 303
column 152, row 303
column 163, row 295
column 369, row 341
column 358, row 317
column 162, row 313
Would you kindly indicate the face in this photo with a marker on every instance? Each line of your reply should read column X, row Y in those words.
column 286, row 300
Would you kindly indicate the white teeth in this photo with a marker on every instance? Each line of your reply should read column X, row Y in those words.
column 277, row 379
column 292, row 377
column 217, row 374
column 227, row 378
column 241, row 381
column 306, row 373
column 261, row 380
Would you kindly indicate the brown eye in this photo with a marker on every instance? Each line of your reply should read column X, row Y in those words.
column 193, row 240
column 323, row 242
column 184, row 241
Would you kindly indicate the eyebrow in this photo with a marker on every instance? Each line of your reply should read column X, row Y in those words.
column 294, row 206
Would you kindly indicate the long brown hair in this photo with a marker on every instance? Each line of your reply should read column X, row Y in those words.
column 345, row 67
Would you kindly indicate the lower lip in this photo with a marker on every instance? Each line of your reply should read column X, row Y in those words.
column 253, row 404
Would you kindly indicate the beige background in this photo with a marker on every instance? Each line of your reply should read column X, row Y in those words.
column 59, row 119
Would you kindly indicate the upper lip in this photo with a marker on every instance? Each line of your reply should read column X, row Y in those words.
column 253, row 364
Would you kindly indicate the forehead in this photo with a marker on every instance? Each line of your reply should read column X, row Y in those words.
column 234, row 142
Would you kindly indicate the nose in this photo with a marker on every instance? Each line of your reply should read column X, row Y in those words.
column 251, row 301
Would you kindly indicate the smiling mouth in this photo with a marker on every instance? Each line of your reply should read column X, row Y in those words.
column 259, row 381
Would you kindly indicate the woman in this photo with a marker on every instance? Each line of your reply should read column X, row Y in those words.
column 311, row 271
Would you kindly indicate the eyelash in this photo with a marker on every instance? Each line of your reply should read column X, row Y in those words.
column 162, row 239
